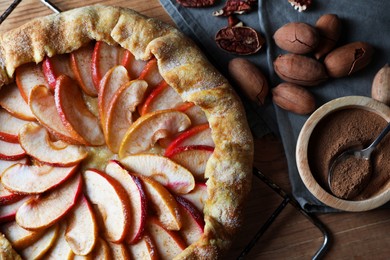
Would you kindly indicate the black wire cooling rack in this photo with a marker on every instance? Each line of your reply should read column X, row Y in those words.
column 287, row 198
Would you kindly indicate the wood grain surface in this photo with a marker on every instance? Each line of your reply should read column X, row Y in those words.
column 354, row 235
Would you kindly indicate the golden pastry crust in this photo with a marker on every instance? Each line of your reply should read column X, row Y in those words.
column 184, row 67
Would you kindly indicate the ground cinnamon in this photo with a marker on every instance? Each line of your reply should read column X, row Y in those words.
column 344, row 129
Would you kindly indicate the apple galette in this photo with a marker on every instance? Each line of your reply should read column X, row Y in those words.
column 117, row 140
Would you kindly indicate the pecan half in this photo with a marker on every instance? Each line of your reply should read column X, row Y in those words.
column 300, row 5
column 196, row 3
column 241, row 40
column 236, row 7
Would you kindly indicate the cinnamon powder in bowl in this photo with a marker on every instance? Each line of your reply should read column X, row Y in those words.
column 336, row 126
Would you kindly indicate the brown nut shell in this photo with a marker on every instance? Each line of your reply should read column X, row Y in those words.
column 381, row 85
column 250, row 79
column 348, row 59
column 300, row 69
column 329, row 29
column 296, row 37
column 293, row 98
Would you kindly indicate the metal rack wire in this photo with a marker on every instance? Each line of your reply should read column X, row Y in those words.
column 287, row 198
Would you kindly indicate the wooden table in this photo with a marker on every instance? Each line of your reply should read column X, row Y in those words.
column 354, row 235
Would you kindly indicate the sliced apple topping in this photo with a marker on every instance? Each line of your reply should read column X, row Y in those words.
column 11, row 151
column 164, row 204
column 74, row 113
column 19, row 237
column 7, row 197
column 148, row 129
column 60, row 248
column 10, row 126
column 133, row 66
column 55, row 66
column 197, row 196
column 168, row 243
column 143, row 249
column 192, row 157
column 12, row 101
column 27, row 77
column 46, row 209
column 104, row 57
column 170, row 174
column 111, row 202
column 192, row 219
column 8, row 212
column 161, row 98
column 82, row 231
column 38, row 249
column 138, row 202
column 118, row 251
column 35, row 141
column 119, row 112
column 81, row 64
column 109, row 85
column 101, row 250
column 42, row 104
column 35, row 179
column 194, row 112
column 197, row 135
column 151, row 73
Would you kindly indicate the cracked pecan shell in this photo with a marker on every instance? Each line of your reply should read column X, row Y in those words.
column 296, row 37
column 236, row 7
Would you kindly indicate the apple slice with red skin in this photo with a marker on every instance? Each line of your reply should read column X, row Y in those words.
column 104, row 57
column 12, row 101
column 193, row 157
column 194, row 112
column 197, row 196
column 27, row 77
column 81, row 64
column 133, row 66
column 162, row 97
column 36, row 142
column 112, row 204
column 143, row 249
column 119, row 112
column 197, row 135
column 60, row 249
column 192, row 219
column 55, row 66
column 109, row 85
column 168, row 173
column 74, row 112
column 7, row 197
column 151, row 74
column 19, row 237
column 118, row 251
column 9, row 130
column 148, row 129
column 8, row 212
column 42, row 104
column 44, row 210
column 168, row 243
column 82, row 230
column 35, row 179
column 11, row 151
column 39, row 248
column 163, row 203
column 137, row 197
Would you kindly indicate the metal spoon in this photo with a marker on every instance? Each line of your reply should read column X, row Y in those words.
column 357, row 153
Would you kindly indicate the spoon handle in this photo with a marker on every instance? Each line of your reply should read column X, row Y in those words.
column 380, row 137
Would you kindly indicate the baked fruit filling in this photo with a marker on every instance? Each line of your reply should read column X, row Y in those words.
column 100, row 157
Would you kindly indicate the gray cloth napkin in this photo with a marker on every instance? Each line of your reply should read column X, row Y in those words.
column 362, row 21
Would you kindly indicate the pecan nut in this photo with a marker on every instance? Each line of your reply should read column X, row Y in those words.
column 236, row 7
column 196, row 3
column 241, row 40
column 300, row 5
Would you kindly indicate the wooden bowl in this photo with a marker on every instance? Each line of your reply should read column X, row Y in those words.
column 302, row 158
